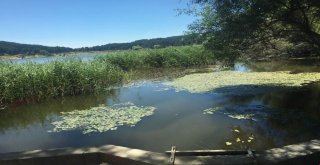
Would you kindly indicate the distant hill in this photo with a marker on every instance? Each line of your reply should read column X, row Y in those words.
column 11, row 48
column 145, row 43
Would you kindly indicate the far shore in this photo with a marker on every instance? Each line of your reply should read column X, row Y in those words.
column 21, row 56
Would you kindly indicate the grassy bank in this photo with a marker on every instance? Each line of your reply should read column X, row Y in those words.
column 34, row 82
column 20, row 83
column 183, row 56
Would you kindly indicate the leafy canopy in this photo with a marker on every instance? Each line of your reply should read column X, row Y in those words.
column 230, row 27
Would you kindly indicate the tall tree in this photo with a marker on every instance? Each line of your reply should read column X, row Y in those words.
column 229, row 27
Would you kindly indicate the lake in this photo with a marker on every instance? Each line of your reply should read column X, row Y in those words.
column 281, row 116
column 81, row 56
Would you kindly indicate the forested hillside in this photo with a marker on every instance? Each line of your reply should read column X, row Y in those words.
column 145, row 43
column 11, row 48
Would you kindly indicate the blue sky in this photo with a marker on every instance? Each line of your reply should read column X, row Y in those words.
column 78, row 23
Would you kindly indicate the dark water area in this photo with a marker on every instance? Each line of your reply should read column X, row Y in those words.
column 292, row 65
column 282, row 116
column 81, row 56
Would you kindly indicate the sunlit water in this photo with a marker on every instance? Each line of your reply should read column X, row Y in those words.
column 285, row 116
column 81, row 56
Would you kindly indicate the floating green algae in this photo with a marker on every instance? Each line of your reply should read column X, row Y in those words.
column 241, row 116
column 211, row 111
column 210, row 82
column 254, row 113
column 102, row 118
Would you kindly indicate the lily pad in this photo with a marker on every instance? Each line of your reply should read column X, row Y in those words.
column 102, row 118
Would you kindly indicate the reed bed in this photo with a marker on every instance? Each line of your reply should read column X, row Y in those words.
column 31, row 82
column 34, row 82
column 182, row 56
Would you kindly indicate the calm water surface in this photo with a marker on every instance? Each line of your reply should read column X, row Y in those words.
column 83, row 57
column 285, row 116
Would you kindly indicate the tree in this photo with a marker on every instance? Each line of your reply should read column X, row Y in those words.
column 137, row 47
column 231, row 27
column 156, row 46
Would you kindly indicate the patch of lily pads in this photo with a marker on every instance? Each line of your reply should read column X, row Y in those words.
column 254, row 113
column 241, row 82
column 102, row 118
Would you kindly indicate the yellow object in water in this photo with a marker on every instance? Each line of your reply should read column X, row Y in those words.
column 228, row 143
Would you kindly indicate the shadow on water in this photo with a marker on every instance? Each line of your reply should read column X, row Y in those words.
column 293, row 65
column 280, row 115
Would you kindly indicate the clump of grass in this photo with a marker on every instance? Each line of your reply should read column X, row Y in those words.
column 183, row 56
column 35, row 82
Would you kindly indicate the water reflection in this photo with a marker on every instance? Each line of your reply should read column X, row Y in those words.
column 289, row 116
column 282, row 116
column 293, row 65
column 40, row 113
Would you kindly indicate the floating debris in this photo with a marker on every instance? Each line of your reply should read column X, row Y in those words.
column 236, row 130
column 238, row 140
column 228, row 143
column 102, row 118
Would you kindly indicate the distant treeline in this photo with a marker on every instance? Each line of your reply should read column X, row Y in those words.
column 145, row 43
column 11, row 48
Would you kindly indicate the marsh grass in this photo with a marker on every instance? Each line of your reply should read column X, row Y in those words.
column 35, row 82
column 29, row 82
column 183, row 56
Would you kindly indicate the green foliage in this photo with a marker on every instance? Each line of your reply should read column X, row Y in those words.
column 231, row 28
column 34, row 82
column 183, row 56
column 11, row 48
column 145, row 43
column 137, row 47
column 156, row 46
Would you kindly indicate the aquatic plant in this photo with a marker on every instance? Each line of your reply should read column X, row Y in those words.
column 28, row 82
column 212, row 110
column 241, row 116
column 182, row 56
column 35, row 82
column 232, row 113
column 102, row 118
column 241, row 82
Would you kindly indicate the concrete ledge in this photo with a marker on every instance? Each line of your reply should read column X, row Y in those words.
column 303, row 153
